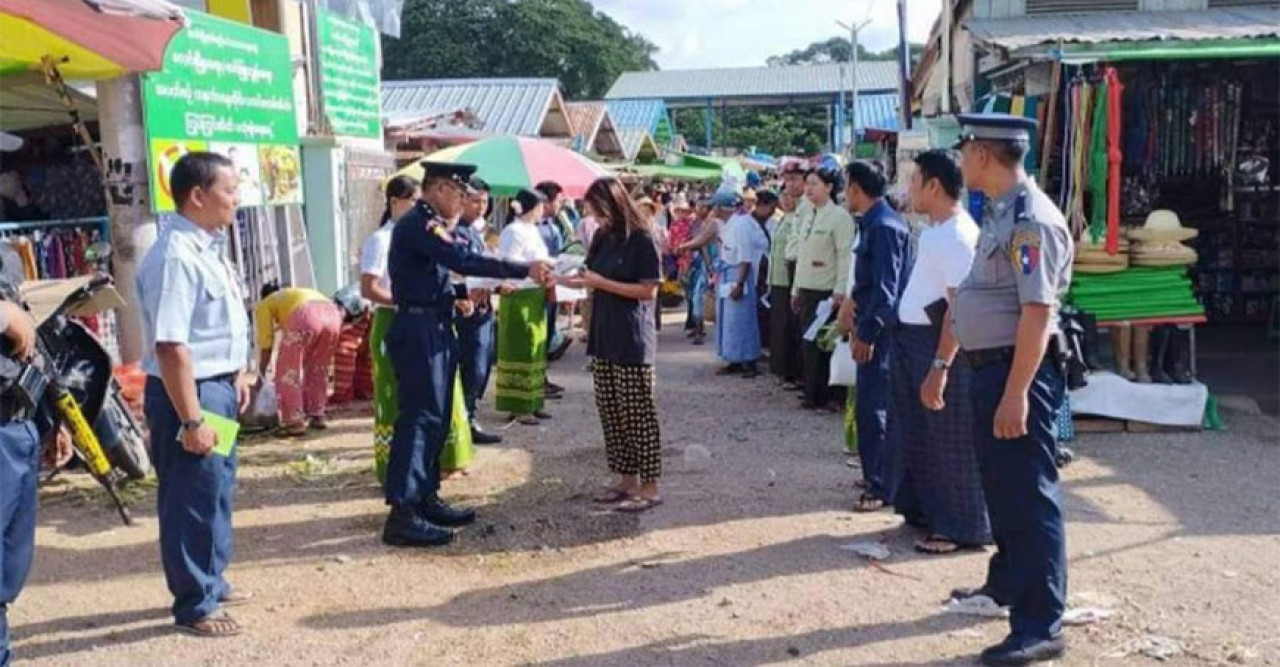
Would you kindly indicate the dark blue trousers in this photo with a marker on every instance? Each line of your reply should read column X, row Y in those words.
column 875, row 396
column 424, row 354
column 193, row 501
column 1020, row 482
column 477, row 338
column 19, row 466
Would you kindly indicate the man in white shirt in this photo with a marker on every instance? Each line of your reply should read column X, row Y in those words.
column 940, row 487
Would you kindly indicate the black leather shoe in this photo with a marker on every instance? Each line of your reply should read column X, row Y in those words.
column 1024, row 651
column 974, row 591
column 442, row 514
column 405, row 528
column 481, row 437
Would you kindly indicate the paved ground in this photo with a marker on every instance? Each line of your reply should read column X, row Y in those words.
column 1179, row 533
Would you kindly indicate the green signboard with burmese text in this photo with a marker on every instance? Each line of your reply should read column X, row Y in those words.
column 228, row 88
column 349, row 81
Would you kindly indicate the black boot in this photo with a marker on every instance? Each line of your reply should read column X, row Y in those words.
column 405, row 528
column 1089, row 324
column 1159, row 352
column 442, row 514
column 480, row 436
column 1178, row 356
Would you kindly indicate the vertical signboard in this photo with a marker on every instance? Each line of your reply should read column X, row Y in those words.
column 349, row 81
column 227, row 88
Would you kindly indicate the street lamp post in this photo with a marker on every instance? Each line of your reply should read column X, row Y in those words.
column 853, row 65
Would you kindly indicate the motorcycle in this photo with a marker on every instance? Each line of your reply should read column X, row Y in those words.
column 71, row 378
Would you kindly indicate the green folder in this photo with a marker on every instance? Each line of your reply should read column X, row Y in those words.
column 225, row 429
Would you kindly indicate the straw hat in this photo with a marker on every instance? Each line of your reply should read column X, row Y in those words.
column 1162, row 226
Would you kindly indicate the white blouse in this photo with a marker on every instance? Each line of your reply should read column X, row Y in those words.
column 521, row 242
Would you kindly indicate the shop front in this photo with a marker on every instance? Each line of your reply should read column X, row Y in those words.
column 1163, row 156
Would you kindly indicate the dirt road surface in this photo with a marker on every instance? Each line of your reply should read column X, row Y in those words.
column 1179, row 534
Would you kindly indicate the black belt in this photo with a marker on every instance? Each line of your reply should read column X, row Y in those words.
column 424, row 310
column 992, row 355
column 996, row 355
column 229, row 378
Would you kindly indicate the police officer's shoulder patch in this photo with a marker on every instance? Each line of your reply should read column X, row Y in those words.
column 1025, row 251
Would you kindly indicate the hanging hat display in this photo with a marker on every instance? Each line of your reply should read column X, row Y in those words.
column 1158, row 242
column 1092, row 256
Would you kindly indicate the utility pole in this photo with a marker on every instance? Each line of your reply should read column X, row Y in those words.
column 946, row 58
column 853, row 64
column 128, row 192
column 904, row 67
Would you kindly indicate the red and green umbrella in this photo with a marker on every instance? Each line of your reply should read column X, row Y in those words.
column 509, row 164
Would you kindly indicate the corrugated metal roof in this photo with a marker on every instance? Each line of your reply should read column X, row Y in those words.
column 1026, row 31
column 504, row 106
column 644, row 114
column 633, row 139
column 584, row 118
column 747, row 82
column 878, row 112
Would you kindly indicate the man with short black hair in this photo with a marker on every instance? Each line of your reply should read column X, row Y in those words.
column 940, row 487
column 1005, row 317
column 476, row 338
column 198, row 346
column 882, row 261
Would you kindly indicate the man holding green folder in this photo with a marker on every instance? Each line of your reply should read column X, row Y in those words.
column 198, row 346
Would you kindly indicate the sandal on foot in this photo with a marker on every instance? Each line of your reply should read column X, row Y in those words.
column 937, row 545
column 542, row 415
column 611, row 496
column 527, row 420
column 318, row 424
column 637, row 504
column 868, row 503
column 211, row 626
column 297, row 431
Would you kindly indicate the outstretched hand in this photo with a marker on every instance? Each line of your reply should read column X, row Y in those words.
column 543, row 273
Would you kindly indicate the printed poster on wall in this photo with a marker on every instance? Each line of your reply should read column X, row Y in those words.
column 349, row 79
column 226, row 87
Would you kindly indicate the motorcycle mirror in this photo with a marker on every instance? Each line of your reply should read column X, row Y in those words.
column 97, row 252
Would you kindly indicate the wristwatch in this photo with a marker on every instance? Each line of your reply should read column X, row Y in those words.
column 192, row 424
column 940, row 365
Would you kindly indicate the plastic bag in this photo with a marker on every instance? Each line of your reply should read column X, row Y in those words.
column 844, row 370
column 261, row 413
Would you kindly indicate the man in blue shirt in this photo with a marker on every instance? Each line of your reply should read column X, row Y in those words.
column 197, row 332
column 553, row 234
column 477, row 345
column 882, row 262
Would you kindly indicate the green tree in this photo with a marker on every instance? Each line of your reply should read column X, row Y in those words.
column 836, row 50
column 565, row 39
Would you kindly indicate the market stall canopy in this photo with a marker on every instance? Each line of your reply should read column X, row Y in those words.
column 1227, row 32
column 28, row 103
column 508, row 164
column 86, row 39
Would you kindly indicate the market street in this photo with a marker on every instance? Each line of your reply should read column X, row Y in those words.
column 1175, row 532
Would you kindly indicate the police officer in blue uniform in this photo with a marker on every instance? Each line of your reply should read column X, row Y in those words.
column 19, row 466
column 1005, row 318
column 424, row 352
column 477, row 341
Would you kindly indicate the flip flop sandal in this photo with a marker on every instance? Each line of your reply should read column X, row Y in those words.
column 291, row 431
column 235, row 599
column 611, row 496
column 637, row 504
column 542, row 415
column 937, row 545
column 526, row 420
column 211, row 627
column 868, row 503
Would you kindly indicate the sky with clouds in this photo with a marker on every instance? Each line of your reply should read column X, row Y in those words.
column 742, row 33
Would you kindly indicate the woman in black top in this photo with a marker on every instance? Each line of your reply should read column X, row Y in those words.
column 623, row 269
